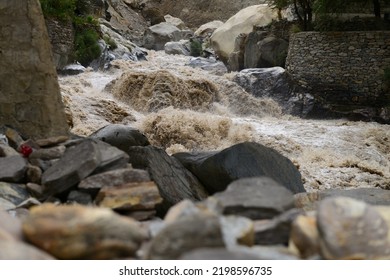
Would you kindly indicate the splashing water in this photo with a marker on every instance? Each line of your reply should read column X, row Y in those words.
column 181, row 108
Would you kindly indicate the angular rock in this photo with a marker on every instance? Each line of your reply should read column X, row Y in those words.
column 111, row 158
column 34, row 174
column 72, row 69
column 77, row 163
column 156, row 36
column 215, row 170
column 181, row 210
column 48, row 153
column 130, row 196
column 10, row 225
column 255, row 198
column 208, row 64
column 177, row 48
column 13, row 169
column 14, row 250
column 275, row 231
column 52, row 141
column 175, row 183
column 13, row 193
column 277, row 84
column 142, row 215
column 351, row 229
column 13, row 137
column 185, row 235
column 243, row 22
column 35, row 189
column 207, row 29
column 80, row 197
column 175, row 21
column 6, row 204
column 6, row 151
column 120, row 136
column 79, row 232
column 113, row 178
column 304, row 235
column 268, row 52
column 237, row 231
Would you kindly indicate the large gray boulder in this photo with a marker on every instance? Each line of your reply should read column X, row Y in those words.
column 158, row 35
column 223, row 38
column 120, row 136
column 216, row 170
column 13, row 169
column 276, row 83
column 270, row 51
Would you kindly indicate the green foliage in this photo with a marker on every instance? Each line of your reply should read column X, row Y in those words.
column 60, row 9
column 86, row 26
column 195, row 47
column 111, row 42
column 86, row 46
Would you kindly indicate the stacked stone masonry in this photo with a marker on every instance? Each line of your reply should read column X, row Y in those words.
column 344, row 67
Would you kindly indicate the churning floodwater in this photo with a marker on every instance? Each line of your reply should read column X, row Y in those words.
column 181, row 108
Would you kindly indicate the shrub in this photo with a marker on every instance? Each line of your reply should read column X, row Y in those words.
column 110, row 42
column 195, row 47
column 87, row 48
column 62, row 10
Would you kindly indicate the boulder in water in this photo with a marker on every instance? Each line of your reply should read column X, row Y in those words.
column 120, row 136
column 216, row 170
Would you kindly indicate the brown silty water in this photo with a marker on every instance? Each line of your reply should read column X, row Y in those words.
column 181, row 108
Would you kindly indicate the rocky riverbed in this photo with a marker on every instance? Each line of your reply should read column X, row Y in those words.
column 318, row 188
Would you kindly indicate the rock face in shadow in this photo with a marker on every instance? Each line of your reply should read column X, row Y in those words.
column 30, row 97
column 175, row 183
column 216, row 170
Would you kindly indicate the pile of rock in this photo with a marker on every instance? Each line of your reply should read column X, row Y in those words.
column 113, row 196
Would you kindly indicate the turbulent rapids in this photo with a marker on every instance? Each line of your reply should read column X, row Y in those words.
column 181, row 108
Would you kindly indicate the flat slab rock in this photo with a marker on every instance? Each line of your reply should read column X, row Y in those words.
column 175, row 182
column 77, row 163
column 216, row 170
column 14, row 194
column 255, row 198
column 80, row 232
column 12, row 168
column 114, row 178
column 130, row 197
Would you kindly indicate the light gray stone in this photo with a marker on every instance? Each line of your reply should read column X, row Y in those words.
column 13, row 169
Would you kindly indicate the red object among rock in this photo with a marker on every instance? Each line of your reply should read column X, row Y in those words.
column 25, row 150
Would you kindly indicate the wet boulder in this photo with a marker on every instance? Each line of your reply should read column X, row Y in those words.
column 216, row 170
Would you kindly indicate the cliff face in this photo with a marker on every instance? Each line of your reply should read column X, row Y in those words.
column 196, row 13
column 30, row 98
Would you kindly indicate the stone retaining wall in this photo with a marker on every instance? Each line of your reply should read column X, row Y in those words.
column 344, row 68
